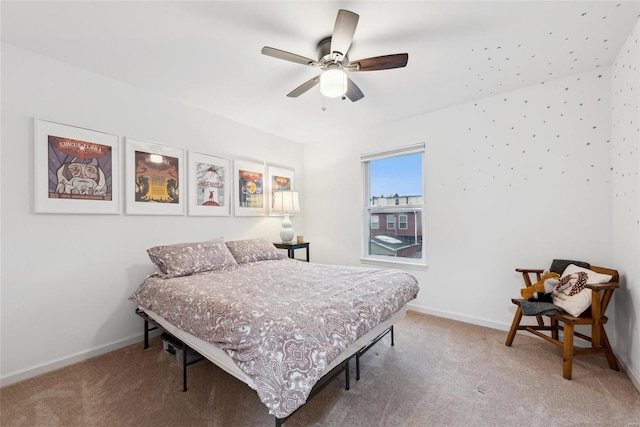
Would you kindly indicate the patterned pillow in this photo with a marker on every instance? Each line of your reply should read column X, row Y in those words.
column 592, row 276
column 571, row 295
column 184, row 259
column 252, row 250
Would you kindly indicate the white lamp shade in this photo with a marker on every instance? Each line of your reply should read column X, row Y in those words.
column 286, row 201
column 333, row 83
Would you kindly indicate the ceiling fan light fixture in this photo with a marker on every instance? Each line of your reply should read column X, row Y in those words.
column 333, row 83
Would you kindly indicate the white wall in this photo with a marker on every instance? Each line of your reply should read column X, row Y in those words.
column 66, row 278
column 625, row 137
column 513, row 180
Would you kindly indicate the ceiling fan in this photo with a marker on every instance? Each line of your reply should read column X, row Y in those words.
column 334, row 63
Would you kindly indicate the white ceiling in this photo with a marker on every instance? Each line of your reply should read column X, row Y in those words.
column 207, row 54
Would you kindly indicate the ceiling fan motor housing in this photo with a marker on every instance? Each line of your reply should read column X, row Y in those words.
column 326, row 59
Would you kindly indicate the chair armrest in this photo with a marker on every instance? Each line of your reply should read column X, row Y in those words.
column 602, row 286
column 529, row 270
column 525, row 274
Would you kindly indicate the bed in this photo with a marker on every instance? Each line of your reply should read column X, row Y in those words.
column 277, row 324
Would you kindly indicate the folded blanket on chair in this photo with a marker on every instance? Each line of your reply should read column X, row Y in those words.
column 532, row 308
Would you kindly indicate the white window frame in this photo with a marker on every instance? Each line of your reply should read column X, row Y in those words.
column 368, row 210
column 391, row 222
column 406, row 222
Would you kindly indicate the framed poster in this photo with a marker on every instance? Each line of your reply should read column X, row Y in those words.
column 279, row 179
column 154, row 179
column 208, row 185
column 249, row 182
column 76, row 170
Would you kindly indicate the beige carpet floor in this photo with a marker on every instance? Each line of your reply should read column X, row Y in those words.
column 439, row 373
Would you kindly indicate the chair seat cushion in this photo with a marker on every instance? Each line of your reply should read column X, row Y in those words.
column 535, row 308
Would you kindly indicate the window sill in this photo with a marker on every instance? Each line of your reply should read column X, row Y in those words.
column 394, row 264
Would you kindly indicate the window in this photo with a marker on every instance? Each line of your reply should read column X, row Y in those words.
column 393, row 183
column 402, row 222
column 391, row 222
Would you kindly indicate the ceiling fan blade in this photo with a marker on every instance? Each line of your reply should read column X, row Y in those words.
column 343, row 31
column 353, row 91
column 304, row 87
column 384, row 62
column 287, row 56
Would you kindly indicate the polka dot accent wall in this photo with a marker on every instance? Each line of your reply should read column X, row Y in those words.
column 625, row 130
column 551, row 135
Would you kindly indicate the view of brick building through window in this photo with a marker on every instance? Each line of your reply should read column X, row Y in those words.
column 397, row 233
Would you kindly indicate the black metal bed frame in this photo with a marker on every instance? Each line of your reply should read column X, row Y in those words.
column 322, row 382
column 366, row 348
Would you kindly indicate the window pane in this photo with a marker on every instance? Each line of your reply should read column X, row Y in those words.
column 375, row 224
column 399, row 242
column 393, row 205
column 391, row 222
column 396, row 181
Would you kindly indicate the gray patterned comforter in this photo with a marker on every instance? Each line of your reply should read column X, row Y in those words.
column 282, row 322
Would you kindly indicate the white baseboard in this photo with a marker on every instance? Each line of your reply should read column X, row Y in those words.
column 24, row 374
column 626, row 367
column 460, row 317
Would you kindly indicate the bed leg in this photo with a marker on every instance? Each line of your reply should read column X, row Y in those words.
column 346, row 370
column 278, row 422
column 357, row 366
column 185, row 349
column 147, row 329
column 391, row 335
column 146, row 334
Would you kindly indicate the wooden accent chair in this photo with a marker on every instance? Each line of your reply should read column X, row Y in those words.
column 593, row 316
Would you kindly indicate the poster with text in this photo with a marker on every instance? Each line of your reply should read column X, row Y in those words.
column 249, row 181
column 76, row 169
column 280, row 179
column 155, row 183
column 208, row 185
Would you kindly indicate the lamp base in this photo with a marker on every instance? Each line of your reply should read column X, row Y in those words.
column 287, row 233
column 287, row 236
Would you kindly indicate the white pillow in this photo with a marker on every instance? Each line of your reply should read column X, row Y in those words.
column 593, row 277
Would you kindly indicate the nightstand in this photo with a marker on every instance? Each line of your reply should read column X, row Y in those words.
column 291, row 248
